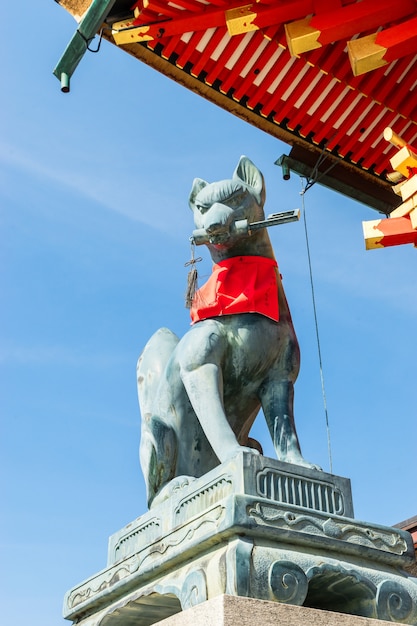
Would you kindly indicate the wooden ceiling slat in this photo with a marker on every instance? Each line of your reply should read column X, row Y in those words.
column 290, row 97
column 162, row 8
column 370, row 84
column 379, row 84
column 365, row 84
column 374, row 130
column 204, row 60
column 332, row 127
column 244, row 87
column 190, row 5
column 358, row 126
column 339, row 132
column 189, row 49
column 274, row 13
column 268, row 78
column 218, row 71
column 302, row 117
column 197, row 54
column 319, row 105
column 335, row 60
column 280, row 85
column 219, row 3
column 396, row 101
column 251, row 50
column 272, row 32
column 171, row 46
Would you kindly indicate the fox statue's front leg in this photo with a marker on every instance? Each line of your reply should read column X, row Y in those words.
column 277, row 398
column 200, row 355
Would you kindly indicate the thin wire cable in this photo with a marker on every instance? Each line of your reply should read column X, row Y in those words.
column 329, row 447
column 88, row 41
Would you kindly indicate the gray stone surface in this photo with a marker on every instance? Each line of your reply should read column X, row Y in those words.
column 252, row 527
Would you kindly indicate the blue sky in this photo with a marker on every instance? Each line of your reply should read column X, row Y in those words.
column 94, row 226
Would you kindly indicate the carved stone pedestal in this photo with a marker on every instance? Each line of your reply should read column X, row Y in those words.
column 257, row 528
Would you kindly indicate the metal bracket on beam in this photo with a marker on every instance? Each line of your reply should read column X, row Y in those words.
column 77, row 47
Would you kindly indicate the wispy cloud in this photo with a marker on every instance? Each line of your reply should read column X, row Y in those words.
column 47, row 355
column 136, row 199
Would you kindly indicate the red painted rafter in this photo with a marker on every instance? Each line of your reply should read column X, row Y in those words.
column 398, row 40
column 244, row 86
column 235, row 73
column 204, row 60
column 219, row 70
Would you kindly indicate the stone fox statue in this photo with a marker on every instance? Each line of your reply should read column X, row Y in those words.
column 199, row 395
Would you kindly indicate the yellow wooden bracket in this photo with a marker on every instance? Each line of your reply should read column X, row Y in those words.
column 126, row 31
column 373, row 51
column 365, row 54
column 301, row 36
column 404, row 161
column 241, row 20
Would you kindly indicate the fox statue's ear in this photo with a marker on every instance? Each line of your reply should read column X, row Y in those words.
column 248, row 173
column 198, row 185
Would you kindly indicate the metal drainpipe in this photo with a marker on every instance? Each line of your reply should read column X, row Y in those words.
column 77, row 47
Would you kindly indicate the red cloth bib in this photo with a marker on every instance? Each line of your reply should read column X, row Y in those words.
column 242, row 284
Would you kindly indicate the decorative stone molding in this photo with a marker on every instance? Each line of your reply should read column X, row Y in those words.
column 244, row 529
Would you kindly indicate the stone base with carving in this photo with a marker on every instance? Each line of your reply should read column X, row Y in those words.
column 252, row 527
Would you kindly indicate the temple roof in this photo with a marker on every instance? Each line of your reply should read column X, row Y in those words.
column 325, row 82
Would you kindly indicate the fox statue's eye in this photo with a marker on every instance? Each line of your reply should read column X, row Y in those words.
column 202, row 208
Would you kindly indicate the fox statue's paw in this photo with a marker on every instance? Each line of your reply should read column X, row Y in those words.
column 172, row 489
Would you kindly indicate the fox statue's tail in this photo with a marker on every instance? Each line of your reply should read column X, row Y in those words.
column 158, row 444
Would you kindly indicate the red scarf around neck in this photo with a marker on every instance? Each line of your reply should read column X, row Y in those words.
column 242, row 284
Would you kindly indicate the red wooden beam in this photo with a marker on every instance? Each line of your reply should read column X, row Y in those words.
column 399, row 40
column 239, row 19
column 131, row 31
column 167, row 21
